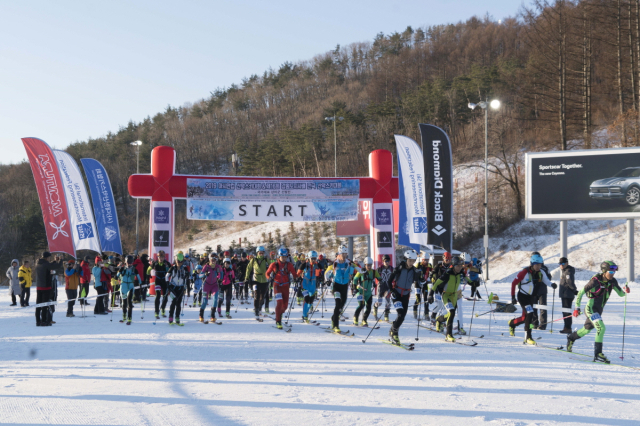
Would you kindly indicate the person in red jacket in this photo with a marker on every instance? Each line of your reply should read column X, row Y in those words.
column 85, row 279
column 279, row 274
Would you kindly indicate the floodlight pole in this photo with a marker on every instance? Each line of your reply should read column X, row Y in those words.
column 486, row 190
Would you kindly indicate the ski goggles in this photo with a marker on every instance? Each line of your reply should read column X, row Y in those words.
column 613, row 268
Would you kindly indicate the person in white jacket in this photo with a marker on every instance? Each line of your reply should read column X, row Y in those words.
column 14, row 281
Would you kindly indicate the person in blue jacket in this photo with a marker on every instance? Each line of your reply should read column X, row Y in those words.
column 473, row 272
column 127, row 275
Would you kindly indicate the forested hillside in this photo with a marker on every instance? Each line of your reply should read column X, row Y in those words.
column 561, row 70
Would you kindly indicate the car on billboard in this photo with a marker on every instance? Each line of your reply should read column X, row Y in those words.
column 623, row 186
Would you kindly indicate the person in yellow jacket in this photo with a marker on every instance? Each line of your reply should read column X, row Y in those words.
column 256, row 274
column 448, row 286
column 24, row 276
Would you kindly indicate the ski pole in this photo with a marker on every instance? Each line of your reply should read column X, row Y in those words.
column 290, row 306
column 493, row 310
column 371, row 331
column 472, row 311
column 237, row 300
column 418, row 327
column 559, row 319
column 624, row 323
column 553, row 304
column 144, row 299
column 316, row 308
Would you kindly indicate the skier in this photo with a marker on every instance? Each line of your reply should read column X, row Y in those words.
column 526, row 281
column 448, row 285
column 364, row 285
column 228, row 279
column 177, row 277
column 474, row 270
column 212, row 275
column 568, row 291
column 423, row 288
column 300, row 260
column 127, row 274
column 540, row 296
column 197, row 278
column 308, row 272
column 256, row 275
column 160, row 269
column 279, row 273
column 598, row 290
column 341, row 276
column 436, row 273
column 384, row 287
column 404, row 276
column 241, row 271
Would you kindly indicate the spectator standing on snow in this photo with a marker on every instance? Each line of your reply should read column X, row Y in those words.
column 72, row 274
column 24, row 275
column 14, row 281
column 568, row 291
column 85, row 279
column 44, row 285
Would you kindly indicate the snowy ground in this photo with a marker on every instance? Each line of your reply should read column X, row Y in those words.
column 96, row 372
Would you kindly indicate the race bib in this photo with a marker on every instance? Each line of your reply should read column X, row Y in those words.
column 305, row 293
column 278, row 296
column 240, row 283
column 529, row 309
column 418, row 290
column 336, row 295
column 438, row 297
column 595, row 317
column 397, row 305
column 359, row 298
column 449, row 306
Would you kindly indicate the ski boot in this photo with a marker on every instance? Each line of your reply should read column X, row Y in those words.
column 450, row 338
column 124, row 318
column 228, row 315
column 129, row 321
column 305, row 319
column 598, row 355
column 566, row 330
column 355, row 320
column 393, row 334
column 157, row 316
column 461, row 331
column 512, row 329
column 163, row 315
column 375, row 310
column 170, row 320
column 212, row 319
column 266, row 310
column 335, row 327
column 386, row 317
column 278, row 325
column 219, row 313
column 201, row 318
column 530, row 341
column 178, row 320
column 364, row 323
column 570, row 343
column 299, row 301
column 438, row 326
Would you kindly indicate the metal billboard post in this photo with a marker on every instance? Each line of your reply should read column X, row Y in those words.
column 631, row 276
column 563, row 238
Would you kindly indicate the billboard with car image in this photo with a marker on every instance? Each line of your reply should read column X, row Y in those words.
column 585, row 184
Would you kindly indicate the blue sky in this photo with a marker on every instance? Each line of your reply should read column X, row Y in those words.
column 71, row 70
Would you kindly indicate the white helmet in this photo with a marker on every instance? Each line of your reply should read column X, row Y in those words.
column 343, row 250
column 368, row 261
column 467, row 257
column 226, row 259
column 410, row 254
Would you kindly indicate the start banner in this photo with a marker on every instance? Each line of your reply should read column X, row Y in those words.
column 304, row 200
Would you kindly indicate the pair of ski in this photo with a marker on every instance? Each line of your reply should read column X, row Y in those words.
column 409, row 347
column 562, row 349
column 212, row 322
column 342, row 333
column 311, row 322
column 285, row 328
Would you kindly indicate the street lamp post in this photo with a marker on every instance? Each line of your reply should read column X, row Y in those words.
column 495, row 104
column 137, row 145
column 335, row 141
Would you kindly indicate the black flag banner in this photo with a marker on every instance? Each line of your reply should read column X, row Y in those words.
column 438, row 171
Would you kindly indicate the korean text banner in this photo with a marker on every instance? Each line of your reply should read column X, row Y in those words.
column 304, row 200
column 413, row 207
column 104, row 205
column 83, row 227
column 584, row 184
column 51, row 194
column 438, row 168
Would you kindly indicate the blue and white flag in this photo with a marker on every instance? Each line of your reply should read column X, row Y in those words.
column 104, row 205
column 83, row 227
column 412, row 229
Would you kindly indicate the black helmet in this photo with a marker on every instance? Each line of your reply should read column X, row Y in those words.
column 129, row 259
column 457, row 261
column 608, row 265
column 563, row 260
column 243, row 254
column 87, row 258
column 387, row 258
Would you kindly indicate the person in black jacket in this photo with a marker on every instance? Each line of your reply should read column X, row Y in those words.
column 568, row 291
column 540, row 295
column 404, row 277
column 44, row 287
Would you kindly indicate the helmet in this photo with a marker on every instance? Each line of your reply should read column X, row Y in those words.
column 312, row 254
column 199, row 267
column 271, row 253
column 446, row 257
column 70, row 261
column 321, row 256
column 563, row 260
column 226, row 253
column 467, row 257
column 260, row 249
column 386, row 257
column 87, row 258
column 474, row 260
column 411, row 254
column 368, row 261
column 243, row 254
column 457, row 261
column 129, row 259
column 536, row 258
column 187, row 256
column 301, row 255
column 343, row 250
column 226, row 259
column 608, row 265
column 283, row 252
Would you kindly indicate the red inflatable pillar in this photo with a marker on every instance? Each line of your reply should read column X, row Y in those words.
column 381, row 219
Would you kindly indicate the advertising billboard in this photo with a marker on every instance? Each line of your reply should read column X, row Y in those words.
column 585, row 184
column 360, row 226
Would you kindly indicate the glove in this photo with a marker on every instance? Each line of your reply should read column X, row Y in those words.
column 513, row 300
column 576, row 312
column 627, row 289
column 430, row 298
column 575, row 292
column 554, row 286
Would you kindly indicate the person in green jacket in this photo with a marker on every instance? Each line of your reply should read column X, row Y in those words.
column 598, row 290
column 448, row 286
column 364, row 286
column 256, row 273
